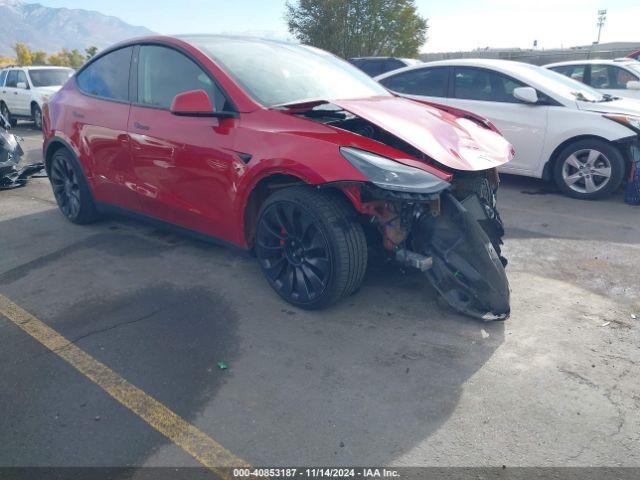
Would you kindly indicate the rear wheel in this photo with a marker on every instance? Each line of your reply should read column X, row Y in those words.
column 36, row 114
column 311, row 250
column 7, row 114
column 589, row 169
column 70, row 188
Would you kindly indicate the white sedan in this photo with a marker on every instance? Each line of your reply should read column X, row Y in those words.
column 620, row 78
column 561, row 129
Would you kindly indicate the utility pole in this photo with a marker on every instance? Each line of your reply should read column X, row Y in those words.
column 602, row 16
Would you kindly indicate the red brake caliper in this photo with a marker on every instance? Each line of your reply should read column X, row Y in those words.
column 284, row 233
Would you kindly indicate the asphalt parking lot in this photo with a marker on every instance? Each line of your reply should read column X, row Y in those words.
column 388, row 377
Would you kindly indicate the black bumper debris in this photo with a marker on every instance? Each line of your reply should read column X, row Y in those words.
column 467, row 271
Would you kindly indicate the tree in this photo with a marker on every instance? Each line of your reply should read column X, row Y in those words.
column 59, row 59
column 91, row 52
column 75, row 58
column 356, row 28
column 23, row 54
column 39, row 57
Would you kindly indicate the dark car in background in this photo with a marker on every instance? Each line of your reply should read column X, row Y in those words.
column 374, row 66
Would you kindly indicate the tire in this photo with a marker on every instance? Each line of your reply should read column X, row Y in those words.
column 310, row 247
column 36, row 115
column 582, row 167
column 70, row 188
column 7, row 114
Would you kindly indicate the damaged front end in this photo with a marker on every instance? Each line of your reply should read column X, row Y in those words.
column 453, row 234
column 440, row 215
column 11, row 175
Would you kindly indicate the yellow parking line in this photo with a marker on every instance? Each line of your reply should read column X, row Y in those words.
column 192, row 440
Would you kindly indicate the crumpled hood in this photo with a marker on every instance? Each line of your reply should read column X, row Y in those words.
column 455, row 142
column 626, row 106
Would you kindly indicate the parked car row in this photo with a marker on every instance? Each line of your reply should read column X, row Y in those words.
column 293, row 153
column 23, row 91
column 561, row 129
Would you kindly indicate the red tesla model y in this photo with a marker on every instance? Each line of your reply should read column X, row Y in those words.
column 287, row 151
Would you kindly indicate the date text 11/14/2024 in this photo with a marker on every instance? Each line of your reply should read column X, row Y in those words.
column 317, row 472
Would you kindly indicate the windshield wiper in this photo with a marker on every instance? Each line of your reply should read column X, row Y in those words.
column 337, row 114
column 312, row 102
column 608, row 98
column 581, row 98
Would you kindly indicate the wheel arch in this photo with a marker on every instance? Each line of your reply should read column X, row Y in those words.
column 547, row 172
column 264, row 188
column 52, row 146
column 35, row 104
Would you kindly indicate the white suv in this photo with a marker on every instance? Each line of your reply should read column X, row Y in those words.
column 23, row 91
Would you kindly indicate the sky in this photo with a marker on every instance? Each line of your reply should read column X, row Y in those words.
column 454, row 24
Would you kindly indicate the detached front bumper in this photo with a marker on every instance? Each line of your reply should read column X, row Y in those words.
column 454, row 236
column 12, row 176
column 466, row 269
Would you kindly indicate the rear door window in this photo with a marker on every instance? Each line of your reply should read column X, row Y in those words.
column 108, row 76
column 22, row 78
column 484, row 85
column 164, row 72
column 430, row 82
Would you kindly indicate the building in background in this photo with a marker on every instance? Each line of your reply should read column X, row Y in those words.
column 542, row 57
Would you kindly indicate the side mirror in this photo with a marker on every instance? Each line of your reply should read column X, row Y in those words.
column 21, row 85
column 194, row 103
column 526, row 94
column 633, row 85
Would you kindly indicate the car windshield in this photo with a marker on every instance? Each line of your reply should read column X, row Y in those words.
column 634, row 67
column 561, row 85
column 50, row 77
column 280, row 73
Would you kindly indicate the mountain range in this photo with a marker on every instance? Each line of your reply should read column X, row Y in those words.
column 51, row 29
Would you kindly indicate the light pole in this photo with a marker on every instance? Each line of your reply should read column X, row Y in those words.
column 602, row 16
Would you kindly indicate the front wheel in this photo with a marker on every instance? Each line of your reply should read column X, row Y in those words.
column 310, row 247
column 589, row 169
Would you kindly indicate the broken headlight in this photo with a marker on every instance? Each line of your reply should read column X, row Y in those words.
column 391, row 175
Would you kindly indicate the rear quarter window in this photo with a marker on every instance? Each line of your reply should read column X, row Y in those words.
column 108, row 76
column 3, row 75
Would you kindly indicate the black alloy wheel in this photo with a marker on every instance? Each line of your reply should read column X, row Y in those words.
column 293, row 251
column 70, row 188
column 310, row 250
